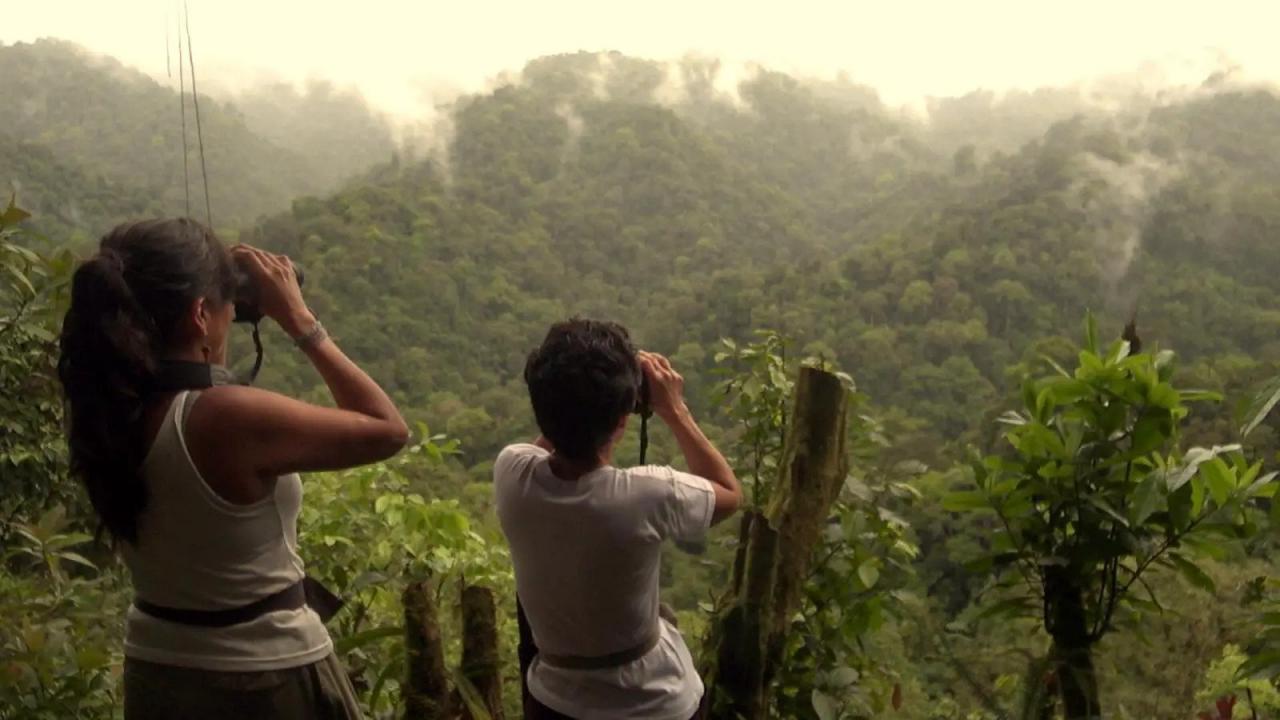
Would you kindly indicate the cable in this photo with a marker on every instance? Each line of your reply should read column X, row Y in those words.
column 168, row 55
column 644, row 436
column 195, row 98
column 182, row 104
column 257, row 361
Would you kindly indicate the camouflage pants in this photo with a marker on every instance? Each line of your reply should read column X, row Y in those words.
column 319, row 691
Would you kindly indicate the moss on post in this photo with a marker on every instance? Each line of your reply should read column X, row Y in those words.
column 814, row 468
column 481, row 664
column 426, row 689
column 769, row 572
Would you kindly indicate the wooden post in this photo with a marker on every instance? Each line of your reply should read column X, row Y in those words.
column 769, row 573
column 426, row 689
column 480, row 661
column 743, row 633
column 814, row 468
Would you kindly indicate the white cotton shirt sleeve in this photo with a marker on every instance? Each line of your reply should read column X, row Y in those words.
column 685, row 504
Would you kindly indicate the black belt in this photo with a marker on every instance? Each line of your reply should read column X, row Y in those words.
column 306, row 592
column 602, row 662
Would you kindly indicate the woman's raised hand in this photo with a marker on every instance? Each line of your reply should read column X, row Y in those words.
column 279, row 295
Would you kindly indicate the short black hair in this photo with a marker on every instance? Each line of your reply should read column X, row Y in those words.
column 582, row 380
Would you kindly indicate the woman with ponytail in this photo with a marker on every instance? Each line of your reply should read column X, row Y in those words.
column 200, row 488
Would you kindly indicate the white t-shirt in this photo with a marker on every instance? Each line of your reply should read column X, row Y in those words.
column 586, row 556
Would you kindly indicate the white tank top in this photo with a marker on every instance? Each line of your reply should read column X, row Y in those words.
column 197, row 551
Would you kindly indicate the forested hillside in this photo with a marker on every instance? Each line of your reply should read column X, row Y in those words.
column 75, row 128
column 812, row 210
column 939, row 260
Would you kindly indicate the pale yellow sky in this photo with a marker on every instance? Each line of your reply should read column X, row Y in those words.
column 393, row 50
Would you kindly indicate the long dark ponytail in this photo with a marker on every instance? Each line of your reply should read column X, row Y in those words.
column 127, row 303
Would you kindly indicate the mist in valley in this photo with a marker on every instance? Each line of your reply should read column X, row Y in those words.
column 959, row 205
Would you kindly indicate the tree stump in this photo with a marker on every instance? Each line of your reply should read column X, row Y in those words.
column 770, row 568
column 481, row 665
column 426, row 689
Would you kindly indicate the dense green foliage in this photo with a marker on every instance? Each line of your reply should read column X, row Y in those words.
column 939, row 260
column 1094, row 495
column 88, row 142
column 32, row 449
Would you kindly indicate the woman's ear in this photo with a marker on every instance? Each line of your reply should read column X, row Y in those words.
column 198, row 317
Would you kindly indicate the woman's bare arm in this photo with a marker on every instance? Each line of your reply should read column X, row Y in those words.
column 239, row 436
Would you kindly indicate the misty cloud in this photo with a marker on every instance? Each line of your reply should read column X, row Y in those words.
column 1117, row 197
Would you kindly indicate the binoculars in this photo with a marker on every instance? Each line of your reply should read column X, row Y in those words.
column 642, row 397
column 247, row 310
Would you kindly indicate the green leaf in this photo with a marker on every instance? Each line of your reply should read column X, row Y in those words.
column 1146, row 499
column 1220, row 480
column 1148, row 435
column 1069, row 390
column 1029, row 395
column 1164, row 396
column 825, row 706
column 1263, row 486
column 1263, row 403
column 1180, row 506
column 1090, row 333
column 844, row 676
column 965, row 500
column 1109, row 511
column 388, row 671
column 13, row 214
column 1263, row 665
column 869, row 573
column 78, row 559
column 58, row 542
column 1192, row 461
column 1192, row 573
column 348, row 643
column 471, row 697
column 91, row 658
column 20, row 279
column 1119, row 351
column 1189, row 396
column 1054, row 364
column 1008, row 608
column 1012, row 418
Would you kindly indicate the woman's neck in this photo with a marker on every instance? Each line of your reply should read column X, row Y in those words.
column 196, row 353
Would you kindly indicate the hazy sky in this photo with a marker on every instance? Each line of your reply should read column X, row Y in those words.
column 395, row 51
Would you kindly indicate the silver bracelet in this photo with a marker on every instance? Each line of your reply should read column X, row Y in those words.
column 311, row 337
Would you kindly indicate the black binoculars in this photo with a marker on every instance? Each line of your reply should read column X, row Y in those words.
column 247, row 310
column 642, row 396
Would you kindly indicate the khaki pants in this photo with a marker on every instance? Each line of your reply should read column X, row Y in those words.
column 319, row 691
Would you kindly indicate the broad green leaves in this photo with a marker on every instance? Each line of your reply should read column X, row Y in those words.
column 1093, row 480
column 32, row 449
column 366, row 533
column 756, row 392
column 59, row 646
